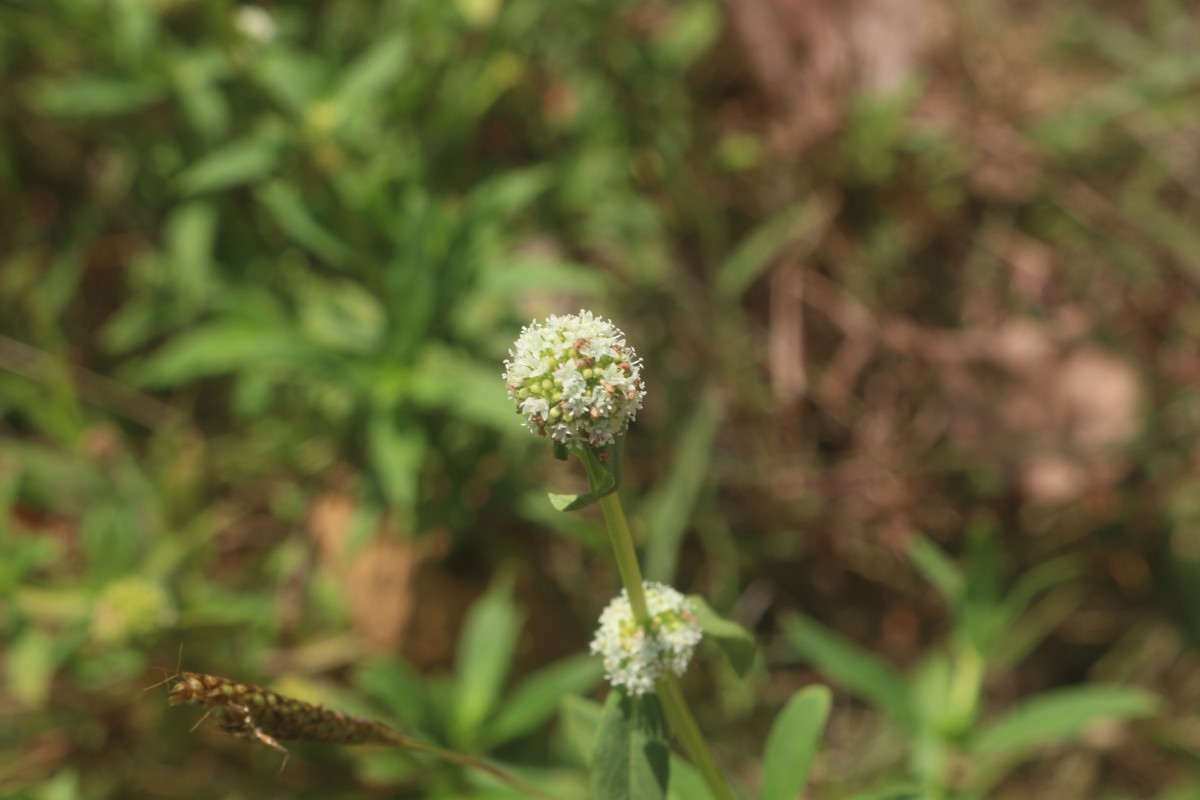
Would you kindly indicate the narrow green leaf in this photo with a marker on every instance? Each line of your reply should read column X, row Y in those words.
column 241, row 162
column 803, row 221
column 485, row 651
column 446, row 379
column 851, row 667
column 686, row 782
column 670, row 508
column 933, row 564
column 603, row 476
column 341, row 316
column 499, row 198
column 1059, row 716
column 737, row 642
column 216, row 349
column 1030, row 585
column 574, row 502
column 537, row 697
column 792, row 743
column 94, row 96
column 372, row 73
column 397, row 454
column 191, row 233
column 399, row 687
column 631, row 759
column 32, row 662
column 580, row 719
column 287, row 208
column 897, row 793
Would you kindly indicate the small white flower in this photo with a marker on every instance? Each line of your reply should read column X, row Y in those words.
column 636, row 656
column 574, row 378
column 255, row 23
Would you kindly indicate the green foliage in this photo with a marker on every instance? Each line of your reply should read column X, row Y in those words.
column 255, row 258
column 792, row 744
column 939, row 707
column 737, row 643
column 631, row 752
column 473, row 710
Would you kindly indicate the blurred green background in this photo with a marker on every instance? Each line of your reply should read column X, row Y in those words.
column 915, row 285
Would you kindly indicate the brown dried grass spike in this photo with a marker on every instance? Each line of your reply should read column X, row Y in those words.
column 252, row 712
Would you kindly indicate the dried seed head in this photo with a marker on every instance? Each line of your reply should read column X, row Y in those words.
column 252, row 712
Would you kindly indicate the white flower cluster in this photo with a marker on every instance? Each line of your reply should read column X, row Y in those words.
column 636, row 656
column 574, row 378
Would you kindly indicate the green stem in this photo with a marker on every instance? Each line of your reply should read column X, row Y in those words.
column 678, row 715
column 622, row 540
column 627, row 563
column 689, row 736
column 474, row 763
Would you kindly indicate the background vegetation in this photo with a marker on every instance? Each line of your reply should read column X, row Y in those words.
column 915, row 286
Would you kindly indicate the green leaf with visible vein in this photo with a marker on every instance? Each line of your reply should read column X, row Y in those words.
column 792, row 743
column 631, row 760
column 537, row 697
column 1060, row 716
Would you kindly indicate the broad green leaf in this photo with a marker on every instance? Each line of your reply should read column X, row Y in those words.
column 287, row 208
column 898, row 793
column 1059, row 716
column 580, row 719
column 341, row 316
column 737, row 642
column 537, row 697
column 241, row 162
column 689, row 34
column 372, row 73
column 501, row 197
column 31, row 662
column 1188, row 790
column 686, row 782
column 191, row 233
column 292, row 78
column 670, row 508
column 215, row 349
column 792, row 743
column 933, row 564
column 448, row 380
column 400, row 688
column 485, row 651
column 95, row 96
column 397, row 452
column 851, row 667
column 516, row 274
column 197, row 85
column 631, row 760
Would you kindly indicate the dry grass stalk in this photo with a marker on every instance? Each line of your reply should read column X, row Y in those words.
column 260, row 715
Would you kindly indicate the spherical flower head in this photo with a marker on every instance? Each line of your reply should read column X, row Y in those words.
column 636, row 656
column 574, row 379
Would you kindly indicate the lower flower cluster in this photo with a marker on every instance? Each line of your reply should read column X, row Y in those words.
column 635, row 655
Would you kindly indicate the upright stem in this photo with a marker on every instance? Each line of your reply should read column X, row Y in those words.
column 674, row 704
column 690, row 738
column 627, row 563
